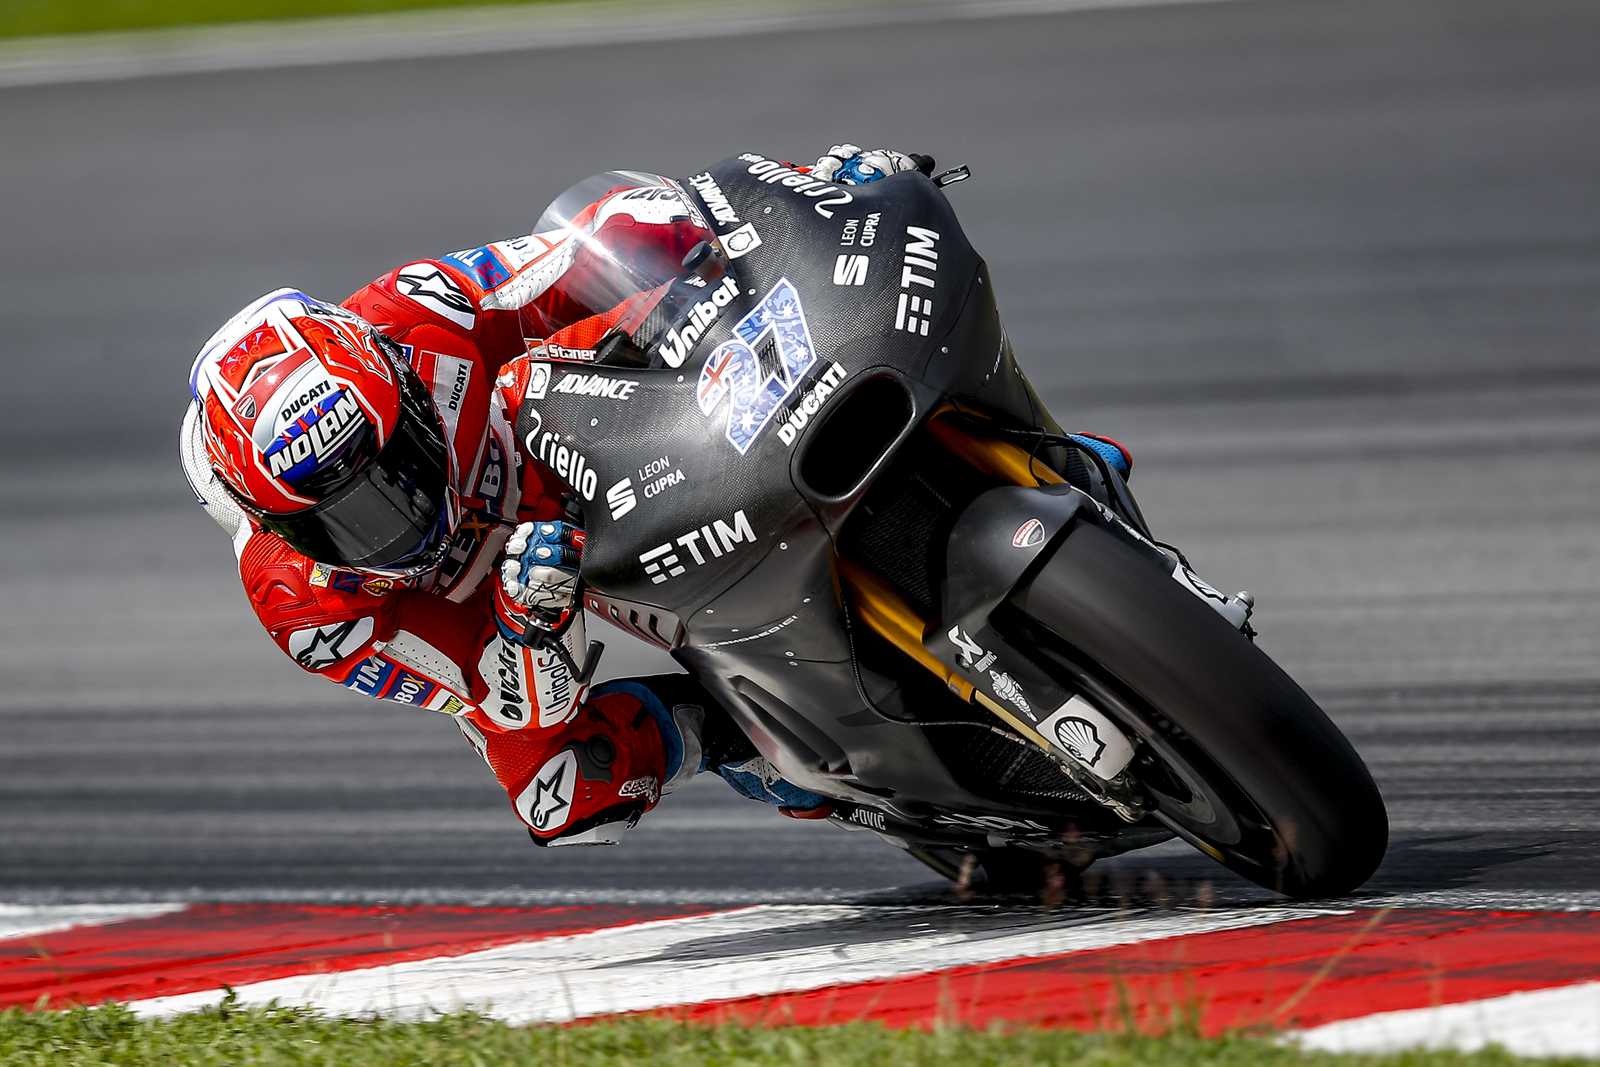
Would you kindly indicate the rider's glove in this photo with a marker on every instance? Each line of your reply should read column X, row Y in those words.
column 538, row 579
column 848, row 164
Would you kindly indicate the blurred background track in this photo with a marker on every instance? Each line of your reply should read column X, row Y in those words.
column 1332, row 271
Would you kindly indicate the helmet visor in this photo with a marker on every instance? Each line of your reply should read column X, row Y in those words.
column 391, row 514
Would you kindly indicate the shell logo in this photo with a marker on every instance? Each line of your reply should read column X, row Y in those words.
column 1081, row 739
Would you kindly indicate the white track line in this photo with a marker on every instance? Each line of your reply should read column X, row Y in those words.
column 1546, row 1022
column 689, row 961
column 475, row 31
column 24, row 920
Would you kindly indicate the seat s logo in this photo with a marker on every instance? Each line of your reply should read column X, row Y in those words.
column 850, row 270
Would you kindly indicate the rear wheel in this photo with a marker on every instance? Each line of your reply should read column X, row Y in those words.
column 1237, row 759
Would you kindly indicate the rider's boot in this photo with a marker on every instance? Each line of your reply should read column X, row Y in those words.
column 731, row 755
column 699, row 736
column 756, row 778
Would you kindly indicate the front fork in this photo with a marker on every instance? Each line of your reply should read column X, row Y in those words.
column 998, row 541
column 1091, row 749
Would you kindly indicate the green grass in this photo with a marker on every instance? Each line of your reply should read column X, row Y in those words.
column 242, row 1038
column 21, row 18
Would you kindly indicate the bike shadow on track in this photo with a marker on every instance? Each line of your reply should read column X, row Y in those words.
column 1420, row 864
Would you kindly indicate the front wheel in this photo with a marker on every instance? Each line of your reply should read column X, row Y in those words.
column 1235, row 757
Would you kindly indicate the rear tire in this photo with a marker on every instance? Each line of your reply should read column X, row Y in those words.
column 1239, row 760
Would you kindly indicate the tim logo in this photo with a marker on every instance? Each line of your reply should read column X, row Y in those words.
column 914, row 312
column 661, row 563
column 704, row 543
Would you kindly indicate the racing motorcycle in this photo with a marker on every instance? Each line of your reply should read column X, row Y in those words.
column 812, row 470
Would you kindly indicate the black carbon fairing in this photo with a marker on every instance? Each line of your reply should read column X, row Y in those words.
column 718, row 484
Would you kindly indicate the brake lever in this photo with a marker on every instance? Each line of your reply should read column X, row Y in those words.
column 926, row 164
column 551, row 641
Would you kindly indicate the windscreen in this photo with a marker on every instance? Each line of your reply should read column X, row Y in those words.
column 610, row 251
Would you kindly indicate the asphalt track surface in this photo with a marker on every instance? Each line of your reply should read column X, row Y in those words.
column 1331, row 270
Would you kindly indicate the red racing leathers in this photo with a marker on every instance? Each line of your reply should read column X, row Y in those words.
column 577, row 766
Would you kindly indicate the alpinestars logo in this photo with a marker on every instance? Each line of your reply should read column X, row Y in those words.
column 437, row 291
column 322, row 647
column 546, row 804
column 664, row 562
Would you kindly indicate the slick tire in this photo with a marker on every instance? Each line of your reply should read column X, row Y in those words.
column 1238, row 760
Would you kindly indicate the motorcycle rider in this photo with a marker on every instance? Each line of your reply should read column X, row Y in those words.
column 392, row 538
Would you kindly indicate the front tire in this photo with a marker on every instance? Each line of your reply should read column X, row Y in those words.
column 1237, row 758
